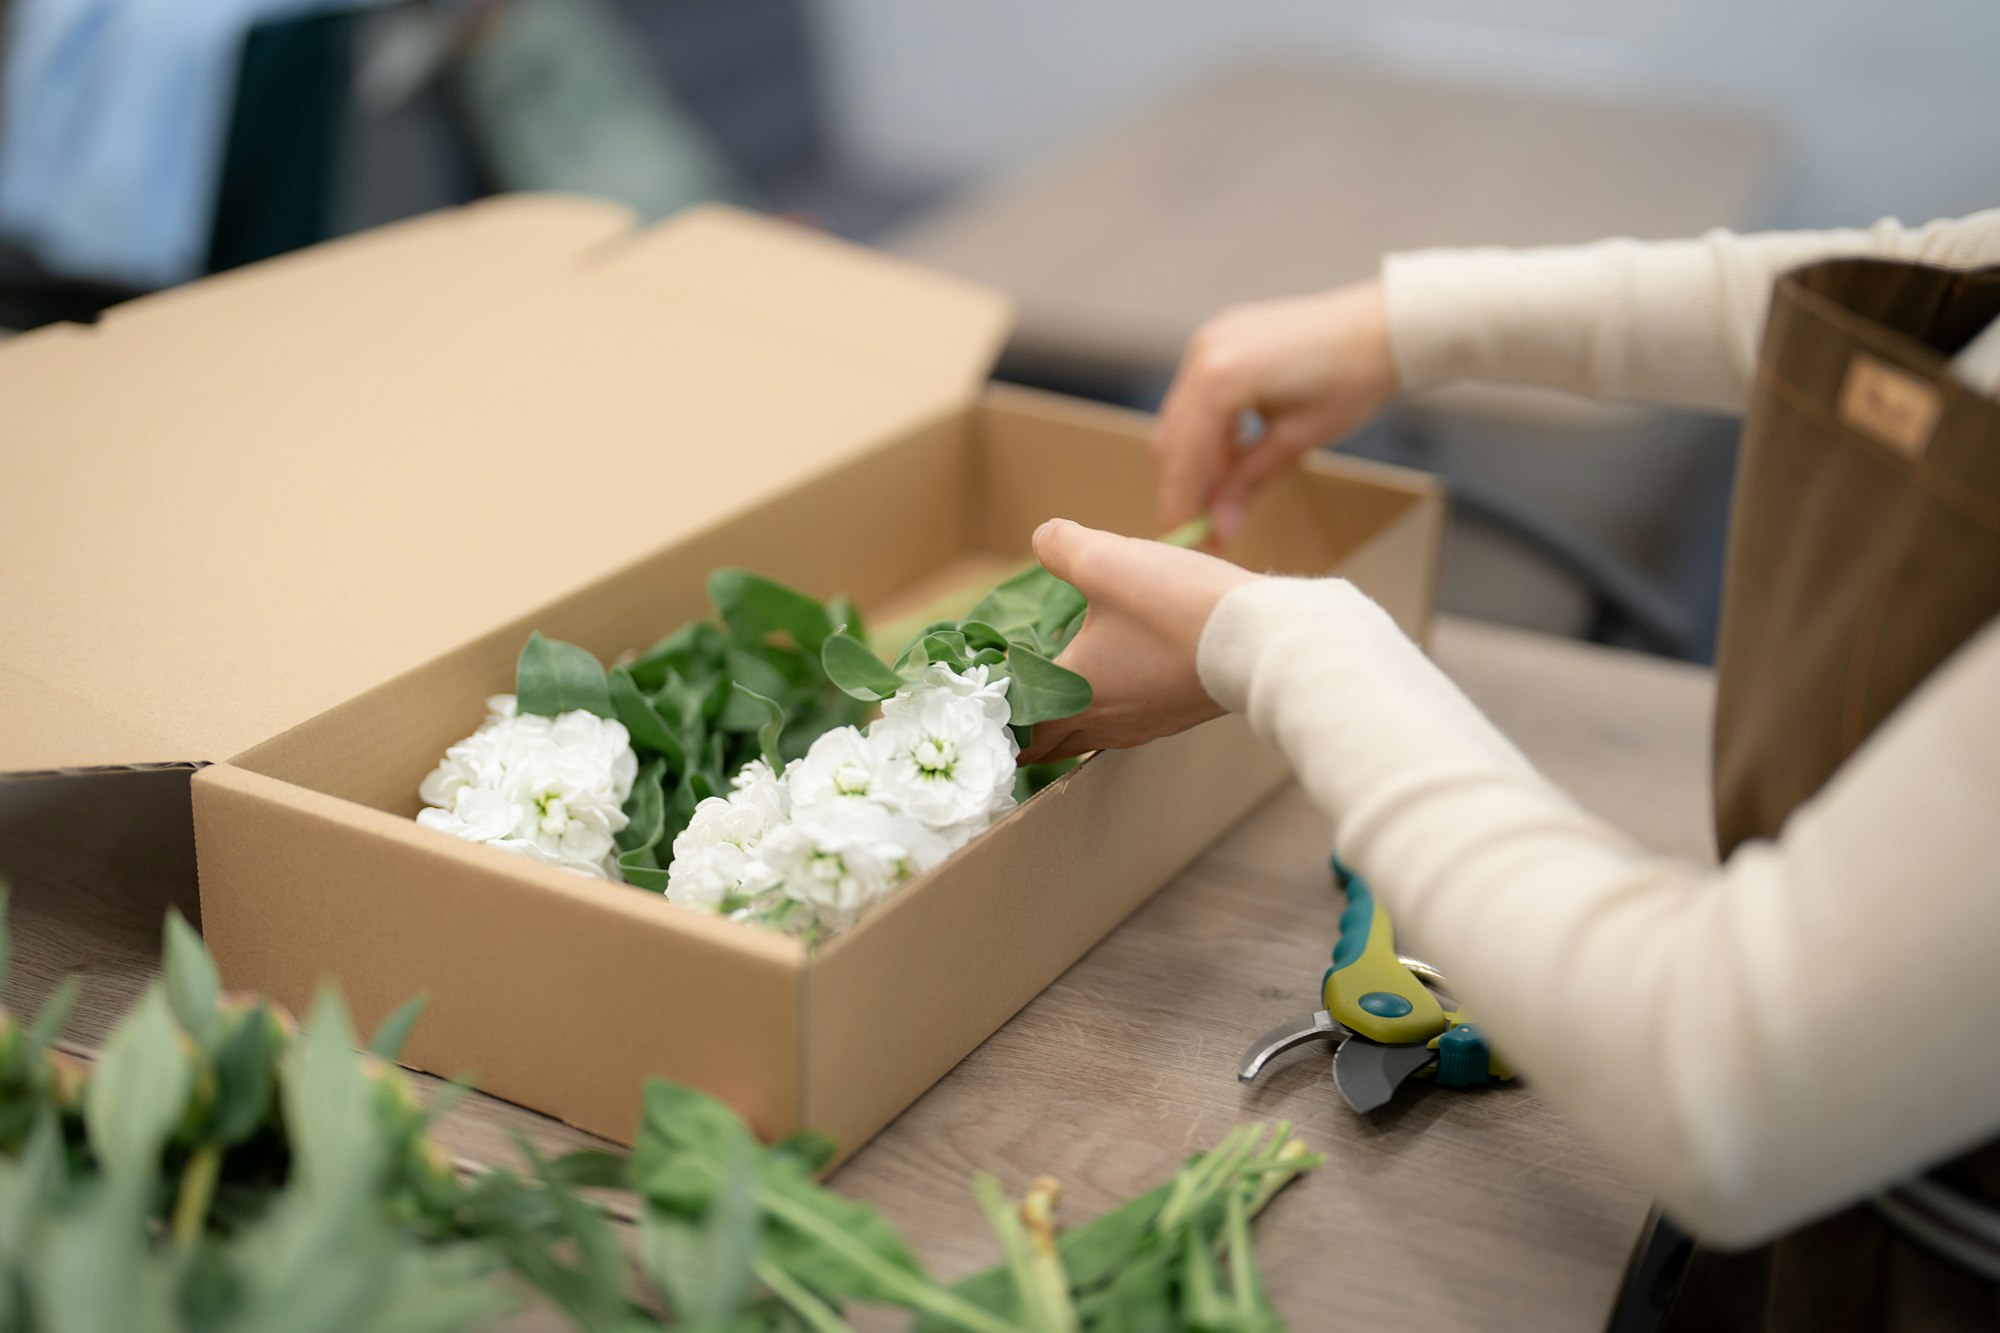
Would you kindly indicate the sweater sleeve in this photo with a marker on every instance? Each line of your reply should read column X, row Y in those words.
column 1759, row 1044
column 1673, row 322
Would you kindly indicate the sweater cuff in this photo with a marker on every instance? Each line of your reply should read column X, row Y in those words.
column 1248, row 620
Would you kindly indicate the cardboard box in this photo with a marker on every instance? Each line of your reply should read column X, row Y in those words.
column 294, row 523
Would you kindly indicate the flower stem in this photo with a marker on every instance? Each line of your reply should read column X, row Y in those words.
column 912, row 1291
column 196, row 1192
column 815, row 1313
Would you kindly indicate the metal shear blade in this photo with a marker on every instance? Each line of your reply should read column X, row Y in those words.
column 1322, row 1026
column 1368, row 1073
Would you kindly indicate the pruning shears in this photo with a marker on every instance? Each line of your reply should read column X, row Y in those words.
column 1383, row 1020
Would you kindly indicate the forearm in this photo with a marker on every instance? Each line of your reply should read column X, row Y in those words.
column 1723, row 1035
column 1674, row 322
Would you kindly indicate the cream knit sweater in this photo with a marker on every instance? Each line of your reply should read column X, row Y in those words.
column 1758, row 1044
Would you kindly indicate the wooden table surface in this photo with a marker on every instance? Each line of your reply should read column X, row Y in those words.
column 1272, row 179
column 1446, row 1211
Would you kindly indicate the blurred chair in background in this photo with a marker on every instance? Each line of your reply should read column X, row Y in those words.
column 349, row 115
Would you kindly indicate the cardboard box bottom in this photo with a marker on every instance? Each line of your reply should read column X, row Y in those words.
column 564, row 993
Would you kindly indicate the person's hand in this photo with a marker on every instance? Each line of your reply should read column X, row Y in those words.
column 1313, row 367
column 1148, row 604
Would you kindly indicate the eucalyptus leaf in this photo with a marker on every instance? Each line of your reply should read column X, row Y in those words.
column 244, row 1067
column 645, row 810
column 554, row 677
column 978, row 634
column 192, row 985
column 1042, row 691
column 772, row 727
column 856, row 671
column 1026, row 602
column 695, row 644
column 948, row 647
column 754, row 607
column 757, row 673
column 842, row 611
column 54, row 1015
column 139, row 1090
column 649, row 731
column 394, row 1033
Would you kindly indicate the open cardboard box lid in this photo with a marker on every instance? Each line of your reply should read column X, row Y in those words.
column 236, row 504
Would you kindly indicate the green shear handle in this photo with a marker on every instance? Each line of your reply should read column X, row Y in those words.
column 1368, row 988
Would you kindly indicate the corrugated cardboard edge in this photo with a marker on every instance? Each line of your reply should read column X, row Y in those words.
column 188, row 396
column 537, row 959
column 823, row 994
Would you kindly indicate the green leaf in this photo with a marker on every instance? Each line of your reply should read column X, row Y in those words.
column 810, row 1148
column 1027, row 603
column 139, row 1091
column 757, row 673
column 978, row 634
column 192, row 986
column 55, row 1012
column 857, row 672
column 590, row 1169
column 649, row 732
column 694, row 647
column 594, row 1292
column 554, row 677
column 733, row 1238
column 948, row 647
column 394, row 1033
column 686, row 1139
column 772, row 725
column 335, row 1141
column 245, row 1070
column 673, row 1256
column 1063, row 637
column 842, row 1248
column 754, row 607
column 1031, row 778
column 1042, row 691
column 651, row 878
column 645, row 811
column 95, row 1271
column 842, row 611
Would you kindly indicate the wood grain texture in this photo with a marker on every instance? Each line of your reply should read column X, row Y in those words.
column 1275, row 178
column 1446, row 1211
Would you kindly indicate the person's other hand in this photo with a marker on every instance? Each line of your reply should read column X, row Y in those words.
column 1148, row 604
column 1313, row 367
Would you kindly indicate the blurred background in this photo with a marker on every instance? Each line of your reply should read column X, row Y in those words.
column 1122, row 168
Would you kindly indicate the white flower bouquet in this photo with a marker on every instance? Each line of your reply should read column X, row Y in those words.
column 741, row 765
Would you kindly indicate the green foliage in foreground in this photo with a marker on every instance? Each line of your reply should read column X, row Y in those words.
column 217, row 1169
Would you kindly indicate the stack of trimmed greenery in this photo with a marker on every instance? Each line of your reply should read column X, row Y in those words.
column 218, row 1170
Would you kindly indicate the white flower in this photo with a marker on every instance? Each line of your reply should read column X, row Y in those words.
column 549, row 788
column 974, row 684
column 715, row 854
column 756, row 785
column 840, row 860
column 946, row 753
column 841, row 765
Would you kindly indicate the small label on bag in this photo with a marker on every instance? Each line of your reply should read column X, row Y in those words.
column 1889, row 404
